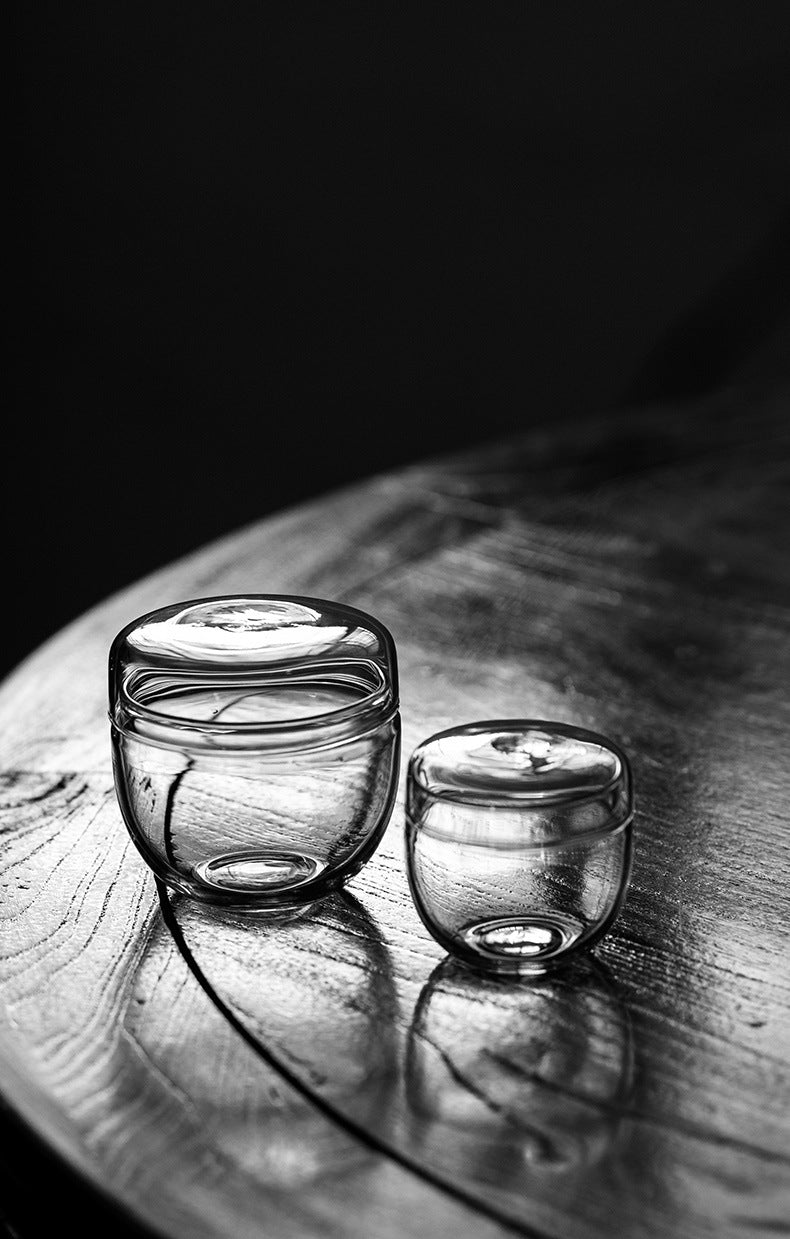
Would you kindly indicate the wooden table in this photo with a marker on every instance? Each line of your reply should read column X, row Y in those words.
column 222, row 1075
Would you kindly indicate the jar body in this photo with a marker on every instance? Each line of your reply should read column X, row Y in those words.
column 515, row 909
column 257, row 828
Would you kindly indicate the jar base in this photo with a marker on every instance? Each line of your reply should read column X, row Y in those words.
column 257, row 872
column 525, row 942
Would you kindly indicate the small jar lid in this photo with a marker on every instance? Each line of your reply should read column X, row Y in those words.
column 549, row 780
column 301, row 665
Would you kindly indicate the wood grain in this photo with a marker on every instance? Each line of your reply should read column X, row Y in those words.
column 333, row 1075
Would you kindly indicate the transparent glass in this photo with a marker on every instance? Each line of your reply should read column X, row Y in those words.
column 256, row 744
column 518, row 840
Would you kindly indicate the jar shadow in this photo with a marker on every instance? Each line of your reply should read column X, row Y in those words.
column 518, row 1087
column 506, row 1095
column 311, row 991
column 312, row 986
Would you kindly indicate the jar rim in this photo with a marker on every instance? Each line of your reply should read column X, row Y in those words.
column 379, row 698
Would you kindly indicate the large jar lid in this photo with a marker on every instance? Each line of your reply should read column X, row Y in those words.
column 301, row 664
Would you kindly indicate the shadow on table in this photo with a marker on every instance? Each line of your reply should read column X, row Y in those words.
column 305, row 999
column 517, row 1087
column 500, row 1093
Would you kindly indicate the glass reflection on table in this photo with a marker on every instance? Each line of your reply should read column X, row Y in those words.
column 518, row 1086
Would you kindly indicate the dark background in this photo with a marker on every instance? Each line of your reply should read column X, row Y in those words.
column 270, row 248
column 266, row 249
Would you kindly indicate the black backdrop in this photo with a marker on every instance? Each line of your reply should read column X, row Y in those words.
column 270, row 248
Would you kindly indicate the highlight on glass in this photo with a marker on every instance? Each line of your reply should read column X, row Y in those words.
column 518, row 840
column 256, row 744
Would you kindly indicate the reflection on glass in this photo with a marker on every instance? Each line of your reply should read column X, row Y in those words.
column 518, row 1085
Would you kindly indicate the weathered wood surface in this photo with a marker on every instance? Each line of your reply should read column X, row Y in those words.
column 629, row 575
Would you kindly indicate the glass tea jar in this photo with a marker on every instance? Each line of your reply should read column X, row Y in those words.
column 518, row 840
column 256, row 744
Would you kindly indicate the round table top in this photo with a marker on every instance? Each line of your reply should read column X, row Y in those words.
column 221, row 1076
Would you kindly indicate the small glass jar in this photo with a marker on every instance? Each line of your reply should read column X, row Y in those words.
column 256, row 744
column 518, row 840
